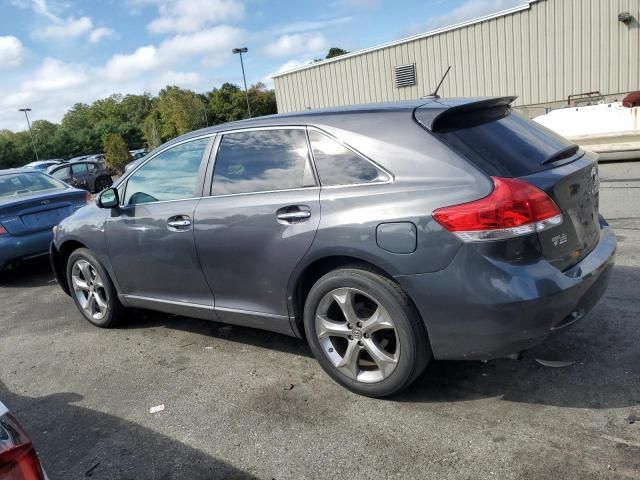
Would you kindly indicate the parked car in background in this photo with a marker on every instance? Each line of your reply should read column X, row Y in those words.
column 91, row 176
column 137, row 154
column 133, row 164
column 78, row 159
column 31, row 202
column 386, row 235
column 18, row 457
column 96, row 158
column 43, row 164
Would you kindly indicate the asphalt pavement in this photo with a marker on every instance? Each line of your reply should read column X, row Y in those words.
column 241, row 403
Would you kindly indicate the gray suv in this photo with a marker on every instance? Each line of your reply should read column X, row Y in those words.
column 386, row 235
column 91, row 176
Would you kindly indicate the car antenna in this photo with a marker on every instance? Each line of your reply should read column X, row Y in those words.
column 435, row 92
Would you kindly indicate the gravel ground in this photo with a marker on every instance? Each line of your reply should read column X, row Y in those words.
column 240, row 403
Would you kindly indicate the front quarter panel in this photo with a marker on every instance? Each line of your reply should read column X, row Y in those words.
column 86, row 226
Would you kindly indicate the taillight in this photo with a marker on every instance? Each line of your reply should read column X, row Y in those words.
column 18, row 458
column 514, row 208
column 2, row 230
column 88, row 197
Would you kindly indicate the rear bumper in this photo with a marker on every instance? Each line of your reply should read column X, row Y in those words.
column 14, row 249
column 481, row 308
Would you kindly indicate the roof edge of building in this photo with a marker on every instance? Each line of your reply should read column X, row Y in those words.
column 502, row 13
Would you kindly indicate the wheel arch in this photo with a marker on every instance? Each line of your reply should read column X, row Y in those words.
column 308, row 274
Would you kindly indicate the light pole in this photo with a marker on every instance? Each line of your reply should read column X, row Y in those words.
column 33, row 143
column 244, row 79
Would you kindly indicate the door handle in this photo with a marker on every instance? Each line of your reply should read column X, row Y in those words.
column 179, row 223
column 293, row 214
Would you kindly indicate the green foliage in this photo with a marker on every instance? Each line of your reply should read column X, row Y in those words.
column 140, row 121
column 335, row 52
column 116, row 152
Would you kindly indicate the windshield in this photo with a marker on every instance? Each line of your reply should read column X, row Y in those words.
column 16, row 184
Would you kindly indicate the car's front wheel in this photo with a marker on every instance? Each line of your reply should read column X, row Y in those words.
column 92, row 289
column 365, row 332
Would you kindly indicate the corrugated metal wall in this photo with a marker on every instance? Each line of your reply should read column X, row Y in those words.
column 543, row 54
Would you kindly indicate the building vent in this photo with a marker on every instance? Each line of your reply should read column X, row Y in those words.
column 405, row 75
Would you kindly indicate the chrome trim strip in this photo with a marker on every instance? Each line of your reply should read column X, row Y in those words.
column 250, row 312
column 204, row 307
column 258, row 193
column 168, row 302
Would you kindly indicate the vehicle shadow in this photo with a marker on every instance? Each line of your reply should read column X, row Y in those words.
column 603, row 345
column 74, row 442
column 232, row 333
column 31, row 273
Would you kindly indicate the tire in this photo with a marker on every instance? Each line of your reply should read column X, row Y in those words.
column 101, row 183
column 100, row 299
column 389, row 339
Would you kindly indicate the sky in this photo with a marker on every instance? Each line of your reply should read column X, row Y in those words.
column 54, row 53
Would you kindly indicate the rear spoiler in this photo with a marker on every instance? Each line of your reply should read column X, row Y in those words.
column 433, row 116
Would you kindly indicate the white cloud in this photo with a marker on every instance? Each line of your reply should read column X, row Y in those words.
column 11, row 52
column 100, row 33
column 290, row 65
column 469, row 10
column 287, row 45
column 61, row 28
column 56, row 86
column 185, row 16
column 69, row 28
column 122, row 67
column 54, row 75
column 171, row 77
column 308, row 25
column 213, row 45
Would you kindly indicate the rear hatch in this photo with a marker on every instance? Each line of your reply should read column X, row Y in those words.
column 27, row 214
column 503, row 143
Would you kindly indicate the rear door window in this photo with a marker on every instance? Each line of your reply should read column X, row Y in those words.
column 62, row 173
column 262, row 161
column 337, row 165
column 504, row 142
column 79, row 168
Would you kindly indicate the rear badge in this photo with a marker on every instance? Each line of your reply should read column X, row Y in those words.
column 559, row 239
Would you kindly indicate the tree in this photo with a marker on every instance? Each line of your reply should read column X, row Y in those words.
column 335, row 52
column 140, row 120
column 151, row 129
column 180, row 110
column 116, row 152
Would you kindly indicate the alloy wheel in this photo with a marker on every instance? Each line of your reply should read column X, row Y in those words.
column 89, row 289
column 357, row 335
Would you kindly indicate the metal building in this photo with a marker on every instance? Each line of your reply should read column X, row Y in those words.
column 543, row 51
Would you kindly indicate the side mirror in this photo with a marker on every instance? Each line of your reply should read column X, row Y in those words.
column 108, row 198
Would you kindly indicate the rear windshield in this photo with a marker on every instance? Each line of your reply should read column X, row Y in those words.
column 505, row 143
column 16, row 184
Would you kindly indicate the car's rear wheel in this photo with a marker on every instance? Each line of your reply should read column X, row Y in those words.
column 92, row 289
column 365, row 332
column 102, row 183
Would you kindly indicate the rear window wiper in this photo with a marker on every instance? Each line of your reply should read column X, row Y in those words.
column 566, row 152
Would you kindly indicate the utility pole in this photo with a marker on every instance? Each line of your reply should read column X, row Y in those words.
column 244, row 79
column 33, row 143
